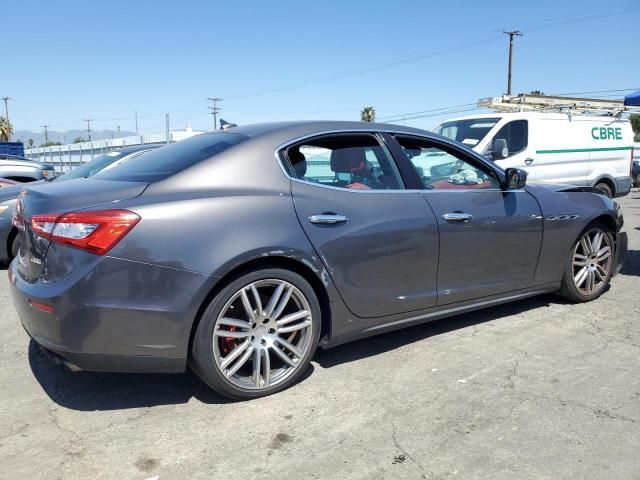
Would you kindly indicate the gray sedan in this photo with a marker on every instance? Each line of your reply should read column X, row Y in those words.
column 239, row 252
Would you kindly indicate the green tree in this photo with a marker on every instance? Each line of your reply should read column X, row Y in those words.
column 50, row 144
column 79, row 140
column 635, row 124
column 536, row 92
column 30, row 143
column 368, row 114
column 6, row 130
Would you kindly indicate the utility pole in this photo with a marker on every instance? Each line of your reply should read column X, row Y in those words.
column 135, row 112
column 215, row 110
column 512, row 33
column 168, row 130
column 88, row 120
column 46, row 133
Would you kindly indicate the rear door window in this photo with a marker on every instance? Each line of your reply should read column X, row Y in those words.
column 353, row 161
column 166, row 161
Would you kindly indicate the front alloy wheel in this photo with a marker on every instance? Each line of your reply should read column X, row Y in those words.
column 592, row 258
column 260, row 332
column 589, row 265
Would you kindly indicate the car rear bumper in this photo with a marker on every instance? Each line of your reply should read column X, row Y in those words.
column 120, row 317
column 621, row 251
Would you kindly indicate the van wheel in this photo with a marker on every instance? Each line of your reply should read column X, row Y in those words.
column 257, row 336
column 605, row 189
column 589, row 265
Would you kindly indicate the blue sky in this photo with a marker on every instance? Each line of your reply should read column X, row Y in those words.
column 70, row 60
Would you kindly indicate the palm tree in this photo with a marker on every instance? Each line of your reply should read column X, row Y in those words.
column 6, row 129
column 368, row 114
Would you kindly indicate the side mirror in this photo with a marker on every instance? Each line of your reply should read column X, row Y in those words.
column 516, row 178
column 499, row 149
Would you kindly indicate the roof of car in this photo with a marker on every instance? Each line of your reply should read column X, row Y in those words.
column 312, row 126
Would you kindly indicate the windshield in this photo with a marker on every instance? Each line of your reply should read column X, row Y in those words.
column 166, row 161
column 470, row 131
column 92, row 167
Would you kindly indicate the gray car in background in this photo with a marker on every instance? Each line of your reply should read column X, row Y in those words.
column 239, row 252
column 24, row 170
column 9, row 195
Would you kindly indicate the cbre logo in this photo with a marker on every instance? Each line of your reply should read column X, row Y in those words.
column 606, row 133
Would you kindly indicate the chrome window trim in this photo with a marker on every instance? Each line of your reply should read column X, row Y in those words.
column 375, row 133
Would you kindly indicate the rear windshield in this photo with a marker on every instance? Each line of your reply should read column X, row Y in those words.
column 92, row 167
column 166, row 161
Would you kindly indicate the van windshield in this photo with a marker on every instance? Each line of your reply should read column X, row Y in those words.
column 470, row 131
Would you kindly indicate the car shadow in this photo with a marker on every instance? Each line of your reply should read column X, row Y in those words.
column 383, row 343
column 90, row 391
column 94, row 391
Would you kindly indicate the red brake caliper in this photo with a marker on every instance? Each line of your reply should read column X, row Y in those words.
column 228, row 343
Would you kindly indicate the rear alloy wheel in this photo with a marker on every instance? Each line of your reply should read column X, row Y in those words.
column 591, row 265
column 605, row 189
column 258, row 335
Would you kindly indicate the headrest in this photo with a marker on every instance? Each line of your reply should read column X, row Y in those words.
column 348, row 160
column 298, row 161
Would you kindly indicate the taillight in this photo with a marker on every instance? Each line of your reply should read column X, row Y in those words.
column 97, row 231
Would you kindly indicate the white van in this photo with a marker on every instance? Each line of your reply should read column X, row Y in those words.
column 568, row 148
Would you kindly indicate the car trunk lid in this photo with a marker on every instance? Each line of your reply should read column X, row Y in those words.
column 60, row 198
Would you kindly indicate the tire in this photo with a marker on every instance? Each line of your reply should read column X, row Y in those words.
column 638, row 181
column 597, row 264
column 605, row 189
column 228, row 335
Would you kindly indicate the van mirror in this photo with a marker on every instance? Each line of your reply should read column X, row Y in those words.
column 516, row 178
column 499, row 150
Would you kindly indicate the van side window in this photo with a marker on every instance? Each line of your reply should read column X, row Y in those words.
column 516, row 133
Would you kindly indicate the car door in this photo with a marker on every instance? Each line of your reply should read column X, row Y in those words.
column 519, row 153
column 377, row 240
column 490, row 238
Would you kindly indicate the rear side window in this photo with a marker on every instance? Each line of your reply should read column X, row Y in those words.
column 166, row 161
column 352, row 161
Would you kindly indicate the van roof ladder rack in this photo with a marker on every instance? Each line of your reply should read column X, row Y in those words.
column 548, row 103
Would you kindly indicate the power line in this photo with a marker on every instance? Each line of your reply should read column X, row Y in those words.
column 431, row 110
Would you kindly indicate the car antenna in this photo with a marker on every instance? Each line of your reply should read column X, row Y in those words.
column 224, row 125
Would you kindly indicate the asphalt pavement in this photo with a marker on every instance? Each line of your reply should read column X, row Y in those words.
column 534, row 389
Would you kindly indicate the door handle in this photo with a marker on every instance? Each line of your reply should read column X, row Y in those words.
column 327, row 219
column 458, row 217
column 528, row 161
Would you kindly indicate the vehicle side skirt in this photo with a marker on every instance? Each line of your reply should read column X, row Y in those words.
column 346, row 328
